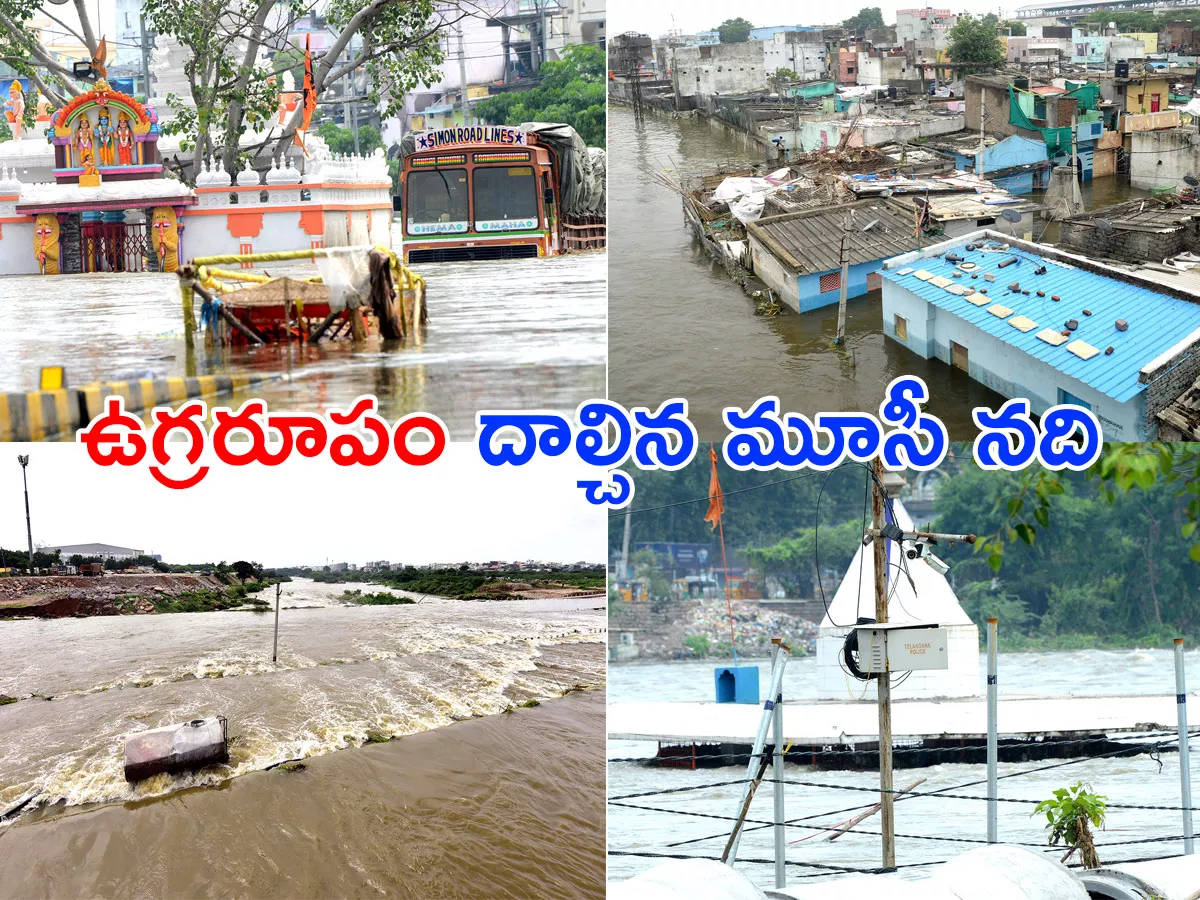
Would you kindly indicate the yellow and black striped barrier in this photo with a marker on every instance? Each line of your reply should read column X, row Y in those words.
column 39, row 415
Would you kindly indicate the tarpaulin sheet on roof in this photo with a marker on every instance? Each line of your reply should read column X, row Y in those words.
column 1058, row 140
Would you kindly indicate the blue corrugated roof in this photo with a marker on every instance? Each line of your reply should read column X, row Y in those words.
column 1157, row 322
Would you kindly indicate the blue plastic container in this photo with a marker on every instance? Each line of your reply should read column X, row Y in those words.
column 736, row 684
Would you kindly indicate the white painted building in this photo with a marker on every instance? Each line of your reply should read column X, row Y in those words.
column 719, row 69
column 806, row 58
column 925, row 25
column 927, row 598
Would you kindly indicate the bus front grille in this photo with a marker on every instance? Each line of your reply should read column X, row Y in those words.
column 483, row 252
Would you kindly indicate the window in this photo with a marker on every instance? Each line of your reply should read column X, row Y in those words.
column 901, row 328
column 1065, row 398
column 505, row 198
column 437, row 202
column 831, row 281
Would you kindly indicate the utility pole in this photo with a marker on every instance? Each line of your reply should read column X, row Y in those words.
column 625, row 573
column 145, row 57
column 843, row 278
column 24, row 461
column 462, row 77
column 883, row 686
column 275, row 648
column 982, row 118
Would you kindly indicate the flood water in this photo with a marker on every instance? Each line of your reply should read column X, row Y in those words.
column 935, row 828
column 468, row 798
column 679, row 327
column 515, row 334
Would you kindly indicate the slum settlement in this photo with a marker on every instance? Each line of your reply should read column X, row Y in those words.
column 950, row 195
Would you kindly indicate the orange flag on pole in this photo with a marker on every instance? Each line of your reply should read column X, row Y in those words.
column 309, row 97
column 716, row 502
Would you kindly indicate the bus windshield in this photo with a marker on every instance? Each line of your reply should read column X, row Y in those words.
column 437, row 202
column 505, row 198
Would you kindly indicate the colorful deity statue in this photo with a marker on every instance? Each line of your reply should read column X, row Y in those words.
column 124, row 140
column 45, row 243
column 15, row 109
column 104, row 137
column 83, row 140
column 90, row 176
column 164, row 227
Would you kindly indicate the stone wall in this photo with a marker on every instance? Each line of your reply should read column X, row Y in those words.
column 1127, row 246
column 1168, row 379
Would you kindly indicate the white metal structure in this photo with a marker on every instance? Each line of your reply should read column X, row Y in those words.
column 928, row 598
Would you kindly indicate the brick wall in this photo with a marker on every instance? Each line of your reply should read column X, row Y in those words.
column 1132, row 247
column 1168, row 381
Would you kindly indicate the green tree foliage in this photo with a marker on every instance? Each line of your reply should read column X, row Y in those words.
column 245, row 570
column 1064, row 559
column 734, row 31
column 341, row 140
column 1070, row 816
column 974, row 42
column 868, row 17
column 571, row 91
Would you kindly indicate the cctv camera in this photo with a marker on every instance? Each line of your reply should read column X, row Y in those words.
column 938, row 565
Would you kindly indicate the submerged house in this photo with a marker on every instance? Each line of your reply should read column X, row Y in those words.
column 1030, row 321
column 1015, row 163
column 958, row 214
column 799, row 255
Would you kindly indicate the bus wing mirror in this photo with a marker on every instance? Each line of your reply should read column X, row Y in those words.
column 548, row 195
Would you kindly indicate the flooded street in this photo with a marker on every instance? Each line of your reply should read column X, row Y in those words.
column 439, row 812
column 679, row 327
column 927, row 828
column 519, row 334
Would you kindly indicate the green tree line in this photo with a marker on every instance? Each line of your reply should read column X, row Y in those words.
column 1065, row 559
column 571, row 91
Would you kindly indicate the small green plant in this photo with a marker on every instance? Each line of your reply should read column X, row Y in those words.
column 1070, row 816
column 697, row 643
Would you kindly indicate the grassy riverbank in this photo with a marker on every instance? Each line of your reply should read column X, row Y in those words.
column 459, row 584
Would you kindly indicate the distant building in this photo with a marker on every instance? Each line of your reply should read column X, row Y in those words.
column 931, row 25
column 104, row 551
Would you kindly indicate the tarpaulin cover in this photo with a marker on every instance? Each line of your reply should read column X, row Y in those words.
column 580, row 184
column 346, row 272
column 1058, row 140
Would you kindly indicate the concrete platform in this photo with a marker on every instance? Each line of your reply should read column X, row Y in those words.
column 828, row 724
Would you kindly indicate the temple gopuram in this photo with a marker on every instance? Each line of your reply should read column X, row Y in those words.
column 109, row 208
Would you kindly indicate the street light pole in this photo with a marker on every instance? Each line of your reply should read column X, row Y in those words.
column 24, row 461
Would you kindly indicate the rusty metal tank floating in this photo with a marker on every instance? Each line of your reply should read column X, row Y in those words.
column 177, row 748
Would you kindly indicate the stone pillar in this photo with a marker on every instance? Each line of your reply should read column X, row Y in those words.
column 68, row 242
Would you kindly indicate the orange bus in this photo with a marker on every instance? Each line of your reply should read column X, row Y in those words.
column 486, row 192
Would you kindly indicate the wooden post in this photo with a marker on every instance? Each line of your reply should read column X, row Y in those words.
column 883, row 683
column 189, row 313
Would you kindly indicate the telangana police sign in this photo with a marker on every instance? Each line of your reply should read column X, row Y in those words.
column 470, row 134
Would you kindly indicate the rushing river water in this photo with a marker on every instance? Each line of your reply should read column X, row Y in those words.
column 679, row 327
column 519, row 334
column 500, row 803
column 936, row 828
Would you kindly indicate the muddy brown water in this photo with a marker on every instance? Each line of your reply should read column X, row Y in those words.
column 469, row 800
column 679, row 327
column 515, row 334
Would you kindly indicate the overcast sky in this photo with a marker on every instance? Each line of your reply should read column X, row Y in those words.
column 307, row 511
column 690, row 16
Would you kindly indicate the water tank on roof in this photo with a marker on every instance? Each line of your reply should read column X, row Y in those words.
column 1021, row 83
column 1122, row 68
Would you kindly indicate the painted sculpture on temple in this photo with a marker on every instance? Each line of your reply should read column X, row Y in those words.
column 104, row 137
column 45, row 243
column 124, row 140
column 14, row 110
column 164, row 227
column 90, row 176
column 83, row 142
